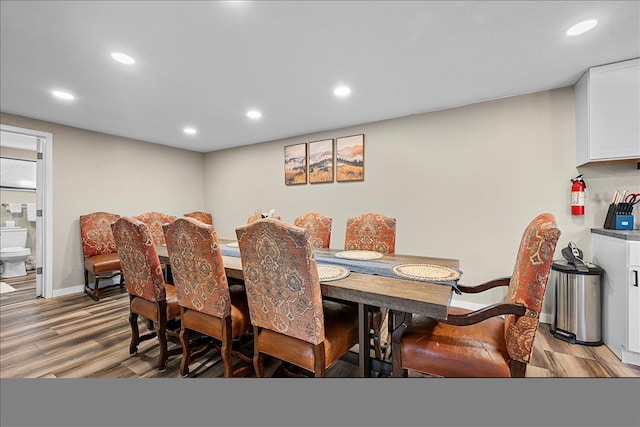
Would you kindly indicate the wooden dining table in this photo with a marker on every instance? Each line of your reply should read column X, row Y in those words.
column 404, row 297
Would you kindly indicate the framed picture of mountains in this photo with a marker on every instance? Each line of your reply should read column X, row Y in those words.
column 350, row 158
column 321, row 161
column 295, row 164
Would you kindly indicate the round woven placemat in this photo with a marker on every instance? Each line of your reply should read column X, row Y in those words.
column 327, row 273
column 233, row 244
column 359, row 255
column 425, row 272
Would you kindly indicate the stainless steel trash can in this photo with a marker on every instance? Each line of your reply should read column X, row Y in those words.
column 577, row 311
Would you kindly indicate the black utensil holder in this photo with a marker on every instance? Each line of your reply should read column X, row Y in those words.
column 610, row 219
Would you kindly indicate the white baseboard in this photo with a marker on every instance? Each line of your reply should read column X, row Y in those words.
column 544, row 317
column 80, row 288
column 630, row 357
column 68, row 291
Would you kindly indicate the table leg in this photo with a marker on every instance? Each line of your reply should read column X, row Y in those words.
column 364, row 339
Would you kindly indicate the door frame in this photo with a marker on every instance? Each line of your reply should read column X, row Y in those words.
column 44, row 204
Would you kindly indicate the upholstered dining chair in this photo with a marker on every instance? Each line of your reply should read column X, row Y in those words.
column 201, row 216
column 155, row 220
column 483, row 343
column 318, row 226
column 99, row 250
column 207, row 304
column 372, row 232
column 291, row 322
column 149, row 295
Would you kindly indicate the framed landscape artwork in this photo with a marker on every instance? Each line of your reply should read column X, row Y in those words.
column 321, row 161
column 295, row 164
column 350, row 158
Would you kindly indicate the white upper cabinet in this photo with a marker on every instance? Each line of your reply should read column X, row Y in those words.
column 607, row 108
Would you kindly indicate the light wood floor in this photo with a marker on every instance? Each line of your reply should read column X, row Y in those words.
column 74, row 337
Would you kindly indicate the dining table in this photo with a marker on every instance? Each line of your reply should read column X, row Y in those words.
column 368, row 284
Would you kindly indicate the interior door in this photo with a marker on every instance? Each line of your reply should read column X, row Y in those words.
column 39, row 218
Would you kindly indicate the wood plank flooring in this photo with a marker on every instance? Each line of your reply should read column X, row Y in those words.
column 74, row 337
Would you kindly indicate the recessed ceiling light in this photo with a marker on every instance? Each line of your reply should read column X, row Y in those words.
column 123, row 58
column 63, row 95
column 342, row 91
column 190, row 131
column 254, row 114
column 582, row 27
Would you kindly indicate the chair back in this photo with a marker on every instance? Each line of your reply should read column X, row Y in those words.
column 281, row 279
column 155, row 220
column 318, row 226
column 96, row 234
column 200, row 216
column 528, row 284
column 371, row 232
column 138, row 259
column 197, row 267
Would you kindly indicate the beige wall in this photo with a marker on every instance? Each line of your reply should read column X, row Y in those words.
column 96, row 172
column 462, row 183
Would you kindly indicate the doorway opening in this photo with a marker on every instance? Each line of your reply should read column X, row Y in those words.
column 40, row 143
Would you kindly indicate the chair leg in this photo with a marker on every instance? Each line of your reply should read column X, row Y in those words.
column 96, row 289
column 186, row 352
column 258, row 358
column 225, row 351
column 319, row 364
column 91, row 292
column 135, row 333
column 376, row 344
column 162, row 337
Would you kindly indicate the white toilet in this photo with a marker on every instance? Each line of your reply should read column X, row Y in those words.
column 13, row 252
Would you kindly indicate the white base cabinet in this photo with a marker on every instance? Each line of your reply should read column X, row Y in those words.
column 620, row 258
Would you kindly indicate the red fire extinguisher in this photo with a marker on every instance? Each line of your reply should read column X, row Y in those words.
column 577, row 195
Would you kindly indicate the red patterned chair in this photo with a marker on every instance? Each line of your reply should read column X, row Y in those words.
column 149, row 296
column 207, row 304
column 318, row 226
column 155, row 220
column 201, row 216
column 482, row 343
column 290, row 320
column 372, row 232
column 99, row 250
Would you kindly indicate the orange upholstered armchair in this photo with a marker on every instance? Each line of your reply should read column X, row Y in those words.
column 155, row 220
column 482, row 343
column 207, row 304
column 318, row 226
column 372, row 232
column 99, row 250
column 201, row 216
column 290, row 320
column 149, row 295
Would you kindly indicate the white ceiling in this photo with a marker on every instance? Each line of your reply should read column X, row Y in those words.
column 204, row 64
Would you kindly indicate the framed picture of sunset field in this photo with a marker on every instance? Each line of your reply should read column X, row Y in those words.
column 321, row 161
column 295, row 164
column 350, row 158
